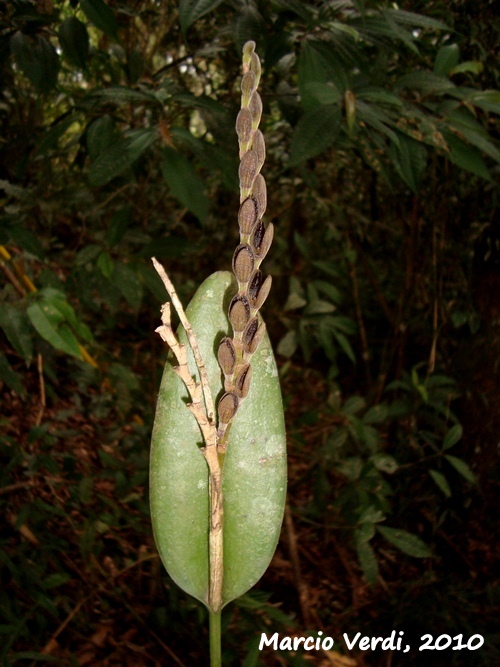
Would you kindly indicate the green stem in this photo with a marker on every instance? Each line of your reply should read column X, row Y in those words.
column 215, row 649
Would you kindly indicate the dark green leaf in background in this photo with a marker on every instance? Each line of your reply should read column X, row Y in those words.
column 74, row 40
column 49, row 323
column 15, row 323
column 101, row 15
column 446, row 60
column 37, row 59
column 184, row 182
column 191, row 10
column 315, row 132
column 406, row 542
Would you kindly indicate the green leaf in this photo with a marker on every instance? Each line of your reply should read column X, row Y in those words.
column 488, row 100
column 49, row 323
column 322, row 93
column 425, row 82
column 74, row 41
column 318, row 64
column 55, row 580
column 184, row 183
column 376, row 414
column 254, row 473
column 110, row 163
column 469, row 66
column 461, row 467
column 9, row 376
column 406, row 542
column 465, row 156
column 191, row 10
column 315, row 132
column 101, row 15
column 353, row 405
column 37, row 59
column 415, row 20
column 345, row 345
column 288, row 344
column 100, row 135
column 384, row 463
column 441, row 482
column 368, row 561
column 129, row 284
column 15, row 323
column 410, row 159
column 452, row 436
column 139, row 141
column 446, row 59
column 105, row 264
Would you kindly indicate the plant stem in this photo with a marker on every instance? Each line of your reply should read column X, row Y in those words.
column 215, row 642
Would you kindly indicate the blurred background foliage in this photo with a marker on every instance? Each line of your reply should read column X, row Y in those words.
column 118, row 143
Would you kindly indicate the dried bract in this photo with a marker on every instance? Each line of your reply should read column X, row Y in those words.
column 243, row 263
column 244, row 126
column 227, row 407
column 239, row 312
column 262, row 294
column 249, row 168
column 259, row 192
column 252, row 336
column 248, row 215
column 243, row 379
column 265, row 242
column 227, row 356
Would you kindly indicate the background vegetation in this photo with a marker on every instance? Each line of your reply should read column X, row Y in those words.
column 118, row 143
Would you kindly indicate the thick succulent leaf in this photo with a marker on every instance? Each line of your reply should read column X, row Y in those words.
column 254, row 473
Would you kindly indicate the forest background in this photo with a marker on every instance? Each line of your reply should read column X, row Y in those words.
column 118, row 143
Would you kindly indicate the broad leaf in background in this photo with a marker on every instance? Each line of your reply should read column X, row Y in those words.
column 184, row 182
column 315, row 132
column 74, row 41
column 191, row 10
column 37, row 59
column 406, row 542
column 101, row 15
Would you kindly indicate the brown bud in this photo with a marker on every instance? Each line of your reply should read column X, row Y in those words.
column 262, row 293
column 243, row 263
column 255, row 106
column 266, row 241
column 248, row 85
column 257, row 236
column 239, row 312
column 248, row 170
column 248, row 215
column 227, row 356
column 227, row 407
column 259, row 146
column 244, row 126
column 253, row 334
column 259, row 192
column 242, row 382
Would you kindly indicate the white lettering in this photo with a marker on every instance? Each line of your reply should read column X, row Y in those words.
column 297, row 641
column 286, row 644
column 351, row 645
column 264, row 641
column 364, row 644
column 329, row 641
column 375, row 641
column 320, row 632
column 306, row 644
column 388, row 643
